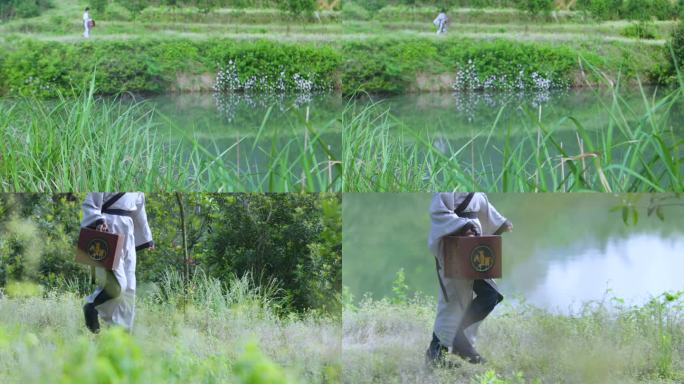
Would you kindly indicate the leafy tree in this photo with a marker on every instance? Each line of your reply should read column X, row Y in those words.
column 133, row 6
column 99, row 5
column 535, row 7
column 297, row 8
column 206, row 6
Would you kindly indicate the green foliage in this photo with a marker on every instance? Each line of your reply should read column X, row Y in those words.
column 491, row 377
column 297, row 8
column 281, row 236
column 98, row 5
column 116, row 359
column 391, row 66
column 400, row 288
column 48, row 69
column 115, row 11
column 535, row 7
column 639, row 30
column 22, row 8
column 631, row 9
column 352, row 11
column 133, row 6
column 675, row 50
column 23, row 289
column 255, row 368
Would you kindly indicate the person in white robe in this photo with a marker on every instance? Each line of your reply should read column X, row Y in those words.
column 461, row 304
column 86, row 23
column 124, row 214
column 441, row 22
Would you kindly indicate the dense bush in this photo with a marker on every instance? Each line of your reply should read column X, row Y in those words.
column 22, row 8
column 354, row 12
column 535, row 7
column 675, row 53
column 375, row 5
column 639, row 30
column 631, row 9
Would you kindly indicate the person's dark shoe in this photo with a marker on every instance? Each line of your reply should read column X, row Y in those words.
column 434, row 356
column 91, row 318
column 465, row 350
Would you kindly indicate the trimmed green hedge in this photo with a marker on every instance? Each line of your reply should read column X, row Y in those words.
column 44, row 69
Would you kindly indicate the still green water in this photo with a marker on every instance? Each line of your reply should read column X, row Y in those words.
column 489, row 132
column 566, row 249
column 248, row 129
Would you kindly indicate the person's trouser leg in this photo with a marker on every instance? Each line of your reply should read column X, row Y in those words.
column 482, row 305
column 111, row 290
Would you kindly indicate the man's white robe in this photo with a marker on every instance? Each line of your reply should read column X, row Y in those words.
column 86, row 27
column 441, row 23
column 136, row 234
column 444, row 221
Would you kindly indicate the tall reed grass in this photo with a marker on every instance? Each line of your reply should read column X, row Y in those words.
column 633, row 151
column 87, row 143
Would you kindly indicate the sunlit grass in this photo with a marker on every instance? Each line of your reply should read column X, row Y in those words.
column 202, row 332
column 604, row 342
column 85, row 143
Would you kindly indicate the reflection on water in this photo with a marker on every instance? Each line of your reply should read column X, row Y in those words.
column 227, row 115
column 257, row 135
column 636, row 269
column 566, row 249
column 230, row 105
column 462, row 114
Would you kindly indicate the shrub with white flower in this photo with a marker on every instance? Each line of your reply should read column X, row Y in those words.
column 232, row 91
column 228, row 80
column 469, row 80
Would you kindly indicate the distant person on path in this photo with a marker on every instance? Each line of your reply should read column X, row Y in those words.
column 123, row 214
column 441, row 22
column 458, row 313
column 86, row 23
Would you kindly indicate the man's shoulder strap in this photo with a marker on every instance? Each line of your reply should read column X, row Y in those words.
column 112, row 200
column 464, row 204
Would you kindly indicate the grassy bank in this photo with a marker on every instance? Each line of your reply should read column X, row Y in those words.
column 632, row 151
column 86, row 143
column 370, row 46
column 385, row 341
column 380, row 64
column 145, row 65
column 215, row 334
